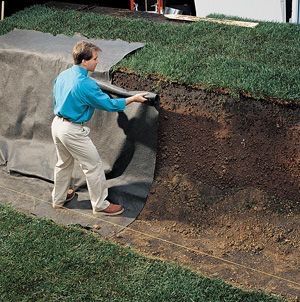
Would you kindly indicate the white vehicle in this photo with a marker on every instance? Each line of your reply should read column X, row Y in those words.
column 267, row 10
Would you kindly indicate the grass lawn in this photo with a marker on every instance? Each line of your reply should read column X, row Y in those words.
column 41, row 261
column 262, row 61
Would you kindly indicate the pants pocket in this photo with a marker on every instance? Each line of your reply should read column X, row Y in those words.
column 85, row 130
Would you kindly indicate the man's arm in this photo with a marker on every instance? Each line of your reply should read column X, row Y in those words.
column 96, row 98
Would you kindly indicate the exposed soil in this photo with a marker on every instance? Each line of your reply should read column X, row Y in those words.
column 226, row 184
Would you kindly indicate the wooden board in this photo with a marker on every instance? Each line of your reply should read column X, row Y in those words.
column 221, row 21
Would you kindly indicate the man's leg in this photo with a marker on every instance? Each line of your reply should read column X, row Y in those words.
column 63, row 169
column 82, row 148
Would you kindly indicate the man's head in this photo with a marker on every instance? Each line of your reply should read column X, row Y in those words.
column 86, row 55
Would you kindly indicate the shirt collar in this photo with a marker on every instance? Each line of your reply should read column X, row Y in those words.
column 80, row 69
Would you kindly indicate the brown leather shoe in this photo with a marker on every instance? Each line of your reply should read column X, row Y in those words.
column 71, row 194
column 112, row 210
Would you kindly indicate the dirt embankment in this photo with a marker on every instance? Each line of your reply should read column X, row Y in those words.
column 228, row 175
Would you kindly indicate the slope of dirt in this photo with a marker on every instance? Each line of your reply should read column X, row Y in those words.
column 226, row 184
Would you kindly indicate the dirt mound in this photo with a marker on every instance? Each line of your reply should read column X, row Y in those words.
column 227, row 177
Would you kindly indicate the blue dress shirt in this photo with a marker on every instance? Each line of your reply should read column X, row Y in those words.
column 76, row 96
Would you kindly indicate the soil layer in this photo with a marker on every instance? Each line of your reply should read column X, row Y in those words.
column 226, row 186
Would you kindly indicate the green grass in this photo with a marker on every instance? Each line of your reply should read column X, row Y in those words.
column 41, row 261
column 262, row 61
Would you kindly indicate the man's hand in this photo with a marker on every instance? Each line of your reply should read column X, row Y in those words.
column 137, row 98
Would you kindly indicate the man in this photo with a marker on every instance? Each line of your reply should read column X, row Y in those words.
column 76, row 96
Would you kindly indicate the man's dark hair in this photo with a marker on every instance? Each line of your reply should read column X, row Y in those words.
column 83, row 51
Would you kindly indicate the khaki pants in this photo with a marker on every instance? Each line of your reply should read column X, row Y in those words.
column 72, row 142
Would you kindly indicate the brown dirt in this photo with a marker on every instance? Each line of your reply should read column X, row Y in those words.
column 226, row 186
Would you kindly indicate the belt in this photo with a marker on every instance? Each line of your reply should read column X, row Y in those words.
column 68, row 120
